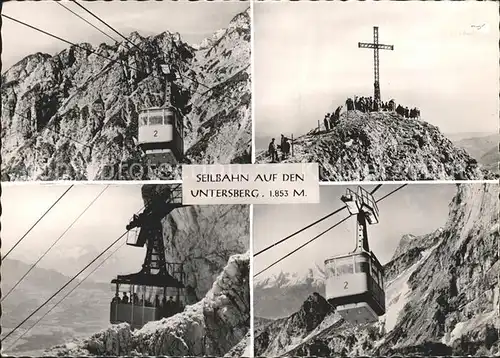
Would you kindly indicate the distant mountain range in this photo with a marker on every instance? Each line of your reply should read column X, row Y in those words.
column 484, row 148
column 283, row 294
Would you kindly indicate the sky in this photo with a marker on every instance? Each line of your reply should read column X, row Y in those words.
column 104, row 222
column 195, row 21
column 416, row 209
column 307, row 61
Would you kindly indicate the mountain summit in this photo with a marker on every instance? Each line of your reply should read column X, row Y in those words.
column 74, row 115
column 383, row 146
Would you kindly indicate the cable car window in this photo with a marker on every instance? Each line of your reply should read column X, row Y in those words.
column 155, row 120
column 330, row 272
column 345, row 269
column 143, row 120
column 169, row 119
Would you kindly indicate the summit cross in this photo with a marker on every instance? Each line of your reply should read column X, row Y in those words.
column 376, row 46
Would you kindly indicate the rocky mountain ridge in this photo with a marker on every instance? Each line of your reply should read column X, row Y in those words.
column 74, row 115
column 485, row 149
column 442, row 295
column 383, row 146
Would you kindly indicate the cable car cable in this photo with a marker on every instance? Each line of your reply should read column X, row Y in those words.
column 392, row 192
column 31, row 228
column 298, row 232
column 308, row 226
column 317, row 236
column 65, row 285
column 88, row 22
column 62, row 288
column 54, row 243
column 64, row 297
column 92, row 51
column 375, row 189
column 106, row 24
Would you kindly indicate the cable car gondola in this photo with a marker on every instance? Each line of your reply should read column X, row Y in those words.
column 161, row 135
column 355, row 281
column 148, row 297
column 156, row 291
column 161, row 129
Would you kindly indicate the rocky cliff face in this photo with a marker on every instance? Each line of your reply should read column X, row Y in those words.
column 74, row 115
column 212, row 326
column 203, row 238
column 383, row 146
column 442, row 295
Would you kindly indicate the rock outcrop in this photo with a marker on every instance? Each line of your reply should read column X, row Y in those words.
column 442, row 294
column 383, row 146
column 75, row 115
column 212, row 326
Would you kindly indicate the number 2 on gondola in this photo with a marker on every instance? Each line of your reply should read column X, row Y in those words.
column 345, row 285
column 155, row 133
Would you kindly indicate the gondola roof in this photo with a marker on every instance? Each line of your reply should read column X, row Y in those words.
column 148, row 280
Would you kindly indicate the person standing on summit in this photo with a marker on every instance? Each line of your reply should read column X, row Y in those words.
column 273, row 152
column 283, row 144
column 325, row 122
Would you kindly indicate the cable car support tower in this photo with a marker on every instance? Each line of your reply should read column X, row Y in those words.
column 376, row 62
column 156, row 274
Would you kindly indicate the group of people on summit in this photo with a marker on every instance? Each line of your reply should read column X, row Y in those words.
column 169, row 307
column 331, row 119
column 362, row 104
column 284, row 146
column 367, row 104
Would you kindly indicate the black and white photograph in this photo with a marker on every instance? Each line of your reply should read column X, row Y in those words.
column 122, row 270
column 379, row 270
column 378, row 90
column 123, row 90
